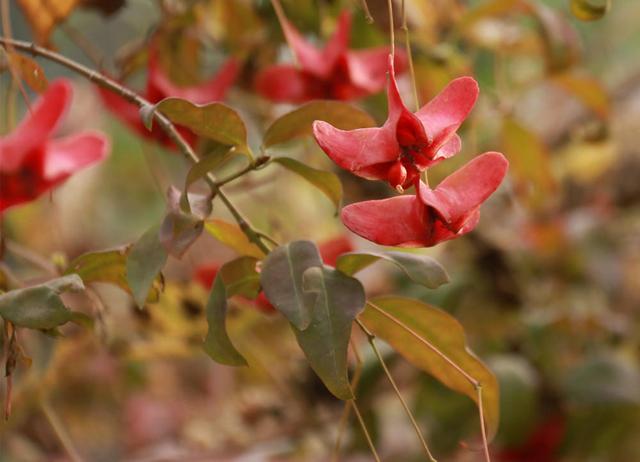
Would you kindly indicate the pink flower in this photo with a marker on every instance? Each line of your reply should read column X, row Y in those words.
column 160, row 87
column 431, row 215
column 32, row 163
column 333, row 72
column 407, row 143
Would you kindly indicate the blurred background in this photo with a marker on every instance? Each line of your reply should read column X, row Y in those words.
column 547, row 287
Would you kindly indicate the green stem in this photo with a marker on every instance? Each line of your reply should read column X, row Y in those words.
column 365, row 431
column 164, row 123
column 407, row 45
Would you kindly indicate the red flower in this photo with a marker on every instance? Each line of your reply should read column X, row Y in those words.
column 542, row 446
column 431, row 215
column 329, row 252
column 160, row 87
column 333, row 72
column 407, row 143
column 32, row 163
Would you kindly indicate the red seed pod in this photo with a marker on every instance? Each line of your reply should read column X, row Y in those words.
column 397, row 175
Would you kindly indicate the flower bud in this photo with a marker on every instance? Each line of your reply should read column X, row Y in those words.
column 397, row 175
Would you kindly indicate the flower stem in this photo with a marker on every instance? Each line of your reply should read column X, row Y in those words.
column 60, row 431
column 407, row 45
column 365, row 431
column 392, row 34
column 164, row 123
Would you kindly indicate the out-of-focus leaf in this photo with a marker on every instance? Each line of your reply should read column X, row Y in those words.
column 43, row 15
column 561, row 41
column 241, row 278
column 529, row 161
column 145, row 260
column 588, row 90
column 215, row 121
column 297, row 123
column 420, row 268
column 487, row 9
column 605, row 379
column 585, row 162
column 40, row 306
column 338, row 300
column 217, row 343
column 29, row 71
column 281, row 279
column 590, row 10
column 232, row 236
column 416, row 330
column 327, row 182
column 215, row 157
column 232, row 21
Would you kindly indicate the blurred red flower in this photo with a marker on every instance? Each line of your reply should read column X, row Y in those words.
column 407, row 143
column 329, row 250
column 542, row 446
column 431, row 215
column 159, row 87
column 31, row 162
column 333, row 72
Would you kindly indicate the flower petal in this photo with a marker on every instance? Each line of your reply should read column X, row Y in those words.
column 65, row 156
column 461, row 193
column 310, row 58
column 159, row 86
column 448, row 109
column 357, row 149
column 42, row 119
column 331, row 249
column 339, row 42
column 367, row 68
column 284, row 84
column 398, row 221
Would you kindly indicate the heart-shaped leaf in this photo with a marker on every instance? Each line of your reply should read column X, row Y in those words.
column 217, row 343
column 281, row 279
column 434, row 341
column 146, row 258
column 327, row 182
column 338, row 300
column 215, row 121
column 298, row 123
column 420, row 268
column 232, row 236
column 40, row 306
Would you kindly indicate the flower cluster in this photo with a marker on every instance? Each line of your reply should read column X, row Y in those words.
column 333, row 72
column 406, row 145
column 31, row 162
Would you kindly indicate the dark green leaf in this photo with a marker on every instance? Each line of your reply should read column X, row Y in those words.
column 241, row 278
column 420, row 268
column 338, row 300
column 298, row 123
column 281, row 279
column 425, row 335
column 146, row 259
column 215, row 121
column 40, row 306
column 327, row 182
column 217, row 343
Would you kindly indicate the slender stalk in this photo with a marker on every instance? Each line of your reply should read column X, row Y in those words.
column 483, row 429
column 164, row 123
column 374, row 347
column 392, row 23
column 367, row 12
column 30, row 257
column 365, row 431
column 258, row 163
column 60, row 432
column 16, row 82
column 407, row 45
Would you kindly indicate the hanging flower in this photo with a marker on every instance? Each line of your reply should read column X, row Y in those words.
column 333, row 72
column 159, row 87
column 31, row 162
column 430, row 216
column 407, row 143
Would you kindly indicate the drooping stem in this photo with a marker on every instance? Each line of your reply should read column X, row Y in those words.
column 392, row 23
column 165, row 124
column 365, row 431
column 60, row 432
column 367, row 12
column 376, row 351
column 407, row 45
column 483, row 429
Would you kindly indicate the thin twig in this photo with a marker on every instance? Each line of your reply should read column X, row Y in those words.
column 365, row 431
column 374, row 347
column 392, row 23
column 367, row 12
column 483, row 429
column 162, row 121
column 59, row 430
column 407, row 45
column 31, row 257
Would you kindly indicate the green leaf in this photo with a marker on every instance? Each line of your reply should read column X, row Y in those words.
column 338, row 300
column 327, row 182
column 208, row 163
column 281, row 279
column 217, row 343
column 420, row 268
column 590, row 10
column 232, row 236
column 241, row 278
column 145, row 260
column 419, row 331
column 40, row 306
column 215, row 121
column 29, row 71
column 298, row 123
